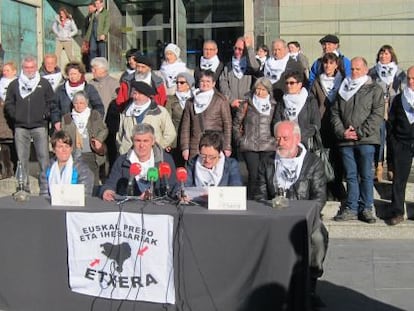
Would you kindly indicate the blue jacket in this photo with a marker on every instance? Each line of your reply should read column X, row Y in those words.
column 317, row 69
column 118, row 178
column 231, row 173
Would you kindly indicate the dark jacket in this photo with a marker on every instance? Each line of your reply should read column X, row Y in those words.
column 62, row 104
column 398, row 127
column 118, row 178
column 364, row 111
column 252, row 131
column 81, row 169
column 33, row 110
column 279, row 87
column 311, row 184
column 217, row 73
column 231, row 173
column 308, row 119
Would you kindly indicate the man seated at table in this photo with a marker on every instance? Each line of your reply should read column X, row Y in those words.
column 211, row 167
column 148, row 154
column 297, row 174
column 63, row 168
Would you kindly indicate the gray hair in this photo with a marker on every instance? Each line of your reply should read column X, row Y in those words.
column 266, row 84
column 142, row 128
column 100, row 62
column 296, row 128
column 81, row 94
column 29, row 59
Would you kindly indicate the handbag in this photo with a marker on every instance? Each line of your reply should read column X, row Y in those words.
column 315, row 146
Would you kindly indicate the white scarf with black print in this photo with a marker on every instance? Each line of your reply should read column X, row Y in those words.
column 349, row 86
column 294, row 103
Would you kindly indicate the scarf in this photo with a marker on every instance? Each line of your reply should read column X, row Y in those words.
column 81, row 120
column 54, row 79
column 239, row 66
column 135, row 110
column 183, row 97
column 72, row 90
column 61, row 177
column 26, row 85
column 349, row 87
column 330, row 85
column 262, row 61
column 170, row 72
column 202, row 100
column 407, row 100
column 386, row 72
column 77, row 83
column 294, row 55
column 4, row 84
column 294, row 103
column 209, row 64
column 262, row 105
column 274, row 68
column 287, row 170
column 209, row 177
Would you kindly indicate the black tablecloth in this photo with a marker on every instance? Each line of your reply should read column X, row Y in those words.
column 223, row 260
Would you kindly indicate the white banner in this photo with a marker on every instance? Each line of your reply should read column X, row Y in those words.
column 121, row 255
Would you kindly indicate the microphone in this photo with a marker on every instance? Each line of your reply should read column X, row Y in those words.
column 134, row 170
column 181, row 175
column 152, row 177
column 165, row 173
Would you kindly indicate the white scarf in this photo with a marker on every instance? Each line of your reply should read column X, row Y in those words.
column 262, row 105
column 4, row 84
column 294, row 103
column 202, row 100
column 27, row 86
column 294, row 55
column 330, row 85
column 407, row 100
column 209, row 64
column 133, row 158
column 170, row 72
column 72, row 90
column 262, row 60
column 61, row 177
column 239, row 66
column 81, row 120
column 386, row 72
column 144, row 78
column 287, row 170
column 54, row 79
column 183, row 97
column 274, row 68
column 209, row 177
column 349, row 87
column 135, row 110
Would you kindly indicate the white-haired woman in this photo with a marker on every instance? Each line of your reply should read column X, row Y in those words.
column 171, row 67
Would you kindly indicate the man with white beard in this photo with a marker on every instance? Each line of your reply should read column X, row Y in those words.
column 28, row 102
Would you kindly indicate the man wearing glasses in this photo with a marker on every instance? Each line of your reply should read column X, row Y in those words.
column 209, row 61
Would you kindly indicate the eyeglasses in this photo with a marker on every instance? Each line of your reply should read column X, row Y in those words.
column 238, row 49
column 208, row 157
column 291, row 82
column 181, row 82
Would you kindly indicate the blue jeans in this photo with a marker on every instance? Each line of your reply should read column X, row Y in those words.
column 97, row 49
column 358, row 162
column 23, row 138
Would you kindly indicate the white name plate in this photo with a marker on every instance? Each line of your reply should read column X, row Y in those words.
column 67, row 195
column 227, row 198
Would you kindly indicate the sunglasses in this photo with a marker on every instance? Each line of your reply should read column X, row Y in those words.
column 181, row 82
column 291, row 82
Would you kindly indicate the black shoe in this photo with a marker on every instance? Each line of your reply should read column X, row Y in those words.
column 345, row 215
column 395, row 220
column 367, row 215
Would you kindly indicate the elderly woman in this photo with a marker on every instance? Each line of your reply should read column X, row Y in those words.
column 171, row 66
column 252, row 130
column 299, row 106
column 211, row 167
column 63, row 168
column 175, row 107
column 208, row 110
column 391, row 78
column 62, row 103
column 88, row 132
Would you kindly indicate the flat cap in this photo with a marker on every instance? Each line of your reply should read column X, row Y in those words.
column 143, row 88
column 142, row 59
column 329, row 38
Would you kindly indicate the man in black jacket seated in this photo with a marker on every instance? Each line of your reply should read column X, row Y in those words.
column 148, row 154
column 296, row 174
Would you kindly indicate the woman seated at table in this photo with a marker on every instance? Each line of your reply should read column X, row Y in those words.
column 63, row 169
column 211, row 167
